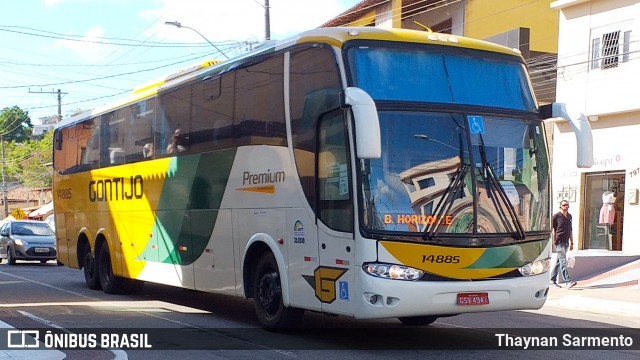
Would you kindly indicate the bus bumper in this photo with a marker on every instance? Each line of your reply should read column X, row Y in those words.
column 384, row 298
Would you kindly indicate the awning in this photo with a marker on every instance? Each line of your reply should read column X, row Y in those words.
column 43, row 210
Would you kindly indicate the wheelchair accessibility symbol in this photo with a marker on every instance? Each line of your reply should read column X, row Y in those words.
column 476, row 126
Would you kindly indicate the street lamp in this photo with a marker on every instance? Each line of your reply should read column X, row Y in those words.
column 179, row 25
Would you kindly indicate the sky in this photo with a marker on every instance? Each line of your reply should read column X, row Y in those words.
column 97, row 51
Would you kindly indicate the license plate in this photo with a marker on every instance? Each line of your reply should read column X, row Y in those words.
column 42, row 250
column 473, row 299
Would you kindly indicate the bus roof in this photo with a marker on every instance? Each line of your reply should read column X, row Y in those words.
column 337, row 36
column 340, row 35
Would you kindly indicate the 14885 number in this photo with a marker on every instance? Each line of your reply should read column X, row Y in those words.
column 441, row 259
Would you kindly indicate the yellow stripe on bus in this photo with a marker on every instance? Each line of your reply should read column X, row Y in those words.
column 459, row 263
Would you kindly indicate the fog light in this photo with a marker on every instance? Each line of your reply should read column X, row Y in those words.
column 373, row 299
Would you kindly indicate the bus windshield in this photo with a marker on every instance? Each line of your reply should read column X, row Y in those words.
column 439, row 175
column 452, row 77
column 462, row 169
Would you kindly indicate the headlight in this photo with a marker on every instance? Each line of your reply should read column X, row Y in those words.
column 535, row 268
column 392, row 271
column 19, row 242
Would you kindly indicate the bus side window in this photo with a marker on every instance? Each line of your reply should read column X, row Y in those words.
column 139, row 140
column 89, row 144
column 212, row 113
column 314, row 87
column 334, row 186
column 174, row 115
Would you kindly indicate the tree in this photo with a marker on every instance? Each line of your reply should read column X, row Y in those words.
column 15, row 124
column 27, row 162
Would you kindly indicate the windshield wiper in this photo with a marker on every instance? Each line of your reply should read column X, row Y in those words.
column 493, row 188
column 450, row 193
column 446, row 201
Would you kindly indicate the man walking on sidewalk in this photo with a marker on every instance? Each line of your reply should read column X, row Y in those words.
column 563, row 239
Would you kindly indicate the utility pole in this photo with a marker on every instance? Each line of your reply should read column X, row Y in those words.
column 267, row 21
column 59, row 92
column 4, row 184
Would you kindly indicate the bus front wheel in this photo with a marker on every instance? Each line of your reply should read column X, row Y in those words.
column 90, row 270
column 267, row 294
column 417, row 320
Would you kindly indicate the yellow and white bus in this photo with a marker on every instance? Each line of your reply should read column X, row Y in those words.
column 355, row 171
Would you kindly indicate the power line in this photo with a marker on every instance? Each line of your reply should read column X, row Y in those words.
column 97, row 78
column 105, row 40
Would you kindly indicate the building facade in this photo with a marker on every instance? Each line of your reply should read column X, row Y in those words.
column 598, row 68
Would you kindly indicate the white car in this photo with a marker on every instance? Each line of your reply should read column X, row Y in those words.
column 27, row 240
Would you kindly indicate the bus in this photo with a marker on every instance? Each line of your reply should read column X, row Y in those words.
column 364, row 172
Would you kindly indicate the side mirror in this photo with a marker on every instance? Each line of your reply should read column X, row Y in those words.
column 581, row 127
column 367, row 124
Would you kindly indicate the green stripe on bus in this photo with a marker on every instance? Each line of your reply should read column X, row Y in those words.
column 188, row 207
column 511, row 256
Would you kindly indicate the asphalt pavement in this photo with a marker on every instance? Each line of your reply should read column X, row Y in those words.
column 612, row 294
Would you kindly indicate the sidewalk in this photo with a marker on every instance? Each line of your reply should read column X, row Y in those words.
column 605, row 287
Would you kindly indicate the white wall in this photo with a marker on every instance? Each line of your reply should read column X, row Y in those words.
column 597, row 91
column 609, row 93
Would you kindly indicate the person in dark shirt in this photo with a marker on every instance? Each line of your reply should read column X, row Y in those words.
column 563, row 240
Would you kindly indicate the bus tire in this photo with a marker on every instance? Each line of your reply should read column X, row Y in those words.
column 418, row 320
column 267, row 296
column 90, row 270
column 110, row 283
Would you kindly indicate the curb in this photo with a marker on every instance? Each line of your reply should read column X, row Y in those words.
column 625, row 275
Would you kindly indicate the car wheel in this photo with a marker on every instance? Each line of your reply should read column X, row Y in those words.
column 110, row 283
column 10, row 259
column 417, row 320
column 267, row 294
column 90, row 270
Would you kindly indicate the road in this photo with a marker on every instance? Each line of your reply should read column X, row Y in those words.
column 220, row 327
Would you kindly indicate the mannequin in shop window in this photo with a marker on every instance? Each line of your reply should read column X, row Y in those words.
column 608, row 209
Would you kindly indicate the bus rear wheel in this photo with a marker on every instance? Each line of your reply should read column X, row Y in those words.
column 90, row 270
column 418, row 320
column 267, row 293
column 110, row 283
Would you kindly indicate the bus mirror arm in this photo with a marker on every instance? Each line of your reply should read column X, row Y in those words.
column 581, row 127
column 365, row 118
